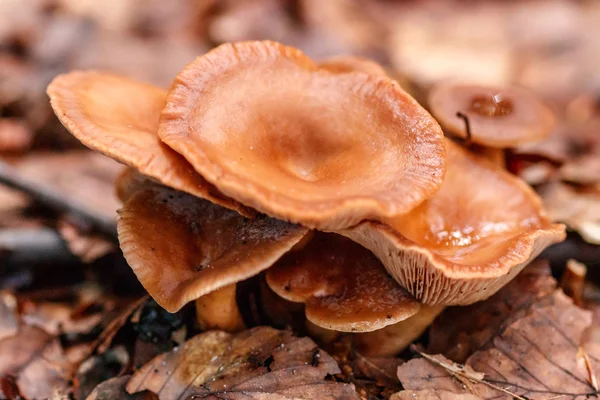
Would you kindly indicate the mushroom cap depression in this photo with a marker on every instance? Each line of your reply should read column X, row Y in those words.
column 344, row 285
column 270, row 129
column 468, row 240
column 181, row 247
column 498, row 117
column 118, row 117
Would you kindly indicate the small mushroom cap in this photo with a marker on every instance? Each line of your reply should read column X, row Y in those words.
column 129, row 182
column 344, row 64
column 498, row 117
column 345, row 287
column 303, row 144
column 468, row 240
column 182, row 247
column 119, row 117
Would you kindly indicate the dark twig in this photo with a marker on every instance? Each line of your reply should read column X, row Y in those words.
column 467, row 138
column 25, row 246
column 57, row 201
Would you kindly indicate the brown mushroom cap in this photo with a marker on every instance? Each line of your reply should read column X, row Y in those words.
column 302, row 144
column 344, row 64
column 468, row 240
column 182, row 247
column 498, row 117
column 344, row 286
column 119, row 117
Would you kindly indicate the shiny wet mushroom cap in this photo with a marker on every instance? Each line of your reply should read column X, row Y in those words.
column 118, row 117
column 344, row 286
column 181, row 247
column 302, row 144
column 495, row 117
column 472, row 237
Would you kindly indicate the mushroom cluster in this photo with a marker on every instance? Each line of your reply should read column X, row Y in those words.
column 329, row 179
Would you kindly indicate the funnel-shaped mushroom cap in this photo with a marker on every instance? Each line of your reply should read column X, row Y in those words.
column 267, row 127
column 343, row 64
column 468, row 240
column 497, row 117
column 344, row 286
column 181, row 247
column 119, row 117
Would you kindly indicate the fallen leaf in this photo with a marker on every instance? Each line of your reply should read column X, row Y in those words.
column 36, row 360
column 86, row 178
column 460, row 331
column 577, row 207
column 9, row 320
column 260, row 363
column 98, row 369
column 114, row 389
column 533, row 358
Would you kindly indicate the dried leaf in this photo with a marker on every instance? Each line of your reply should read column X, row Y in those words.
column 114, row 389
column 534, row 358
column 87, row 178
column 578, row 208
column 36, row 360
column 460, row 331
column 261, row 363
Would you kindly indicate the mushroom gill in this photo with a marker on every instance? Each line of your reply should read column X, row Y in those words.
column 472, row 237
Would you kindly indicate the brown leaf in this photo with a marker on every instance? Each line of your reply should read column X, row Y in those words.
column 86, row 178
column 114, row 389
column 37, row 361
column 578, row 208
column 261, row 364
column 534, row 358
column 460, row 331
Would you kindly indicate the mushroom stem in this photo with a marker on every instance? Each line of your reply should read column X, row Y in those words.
column 467, row 138
column 494, row 155
column 321, row 335
column 219, row 310
column 394, row 338
column 573, row 281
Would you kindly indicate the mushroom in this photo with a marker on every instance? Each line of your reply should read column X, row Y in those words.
column 119, row 117
column 303, row 144
column 181, row 247
column 394, row 338
column 344, row 286
column 491, row 118
column 472, row 237
column 218, row 310
column 344, row 64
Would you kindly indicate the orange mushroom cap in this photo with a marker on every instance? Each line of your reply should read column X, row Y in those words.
column 497, row 117
column 119, row 117
column 344, row 64
column 267, row 127
column 182, row 247
column 468, row 240
column 344, row 286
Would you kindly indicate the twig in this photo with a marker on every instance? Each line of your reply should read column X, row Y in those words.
column 467, row 138
column 588, row 366
column 459, row 372
column 56, row 201
column 32, row 245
